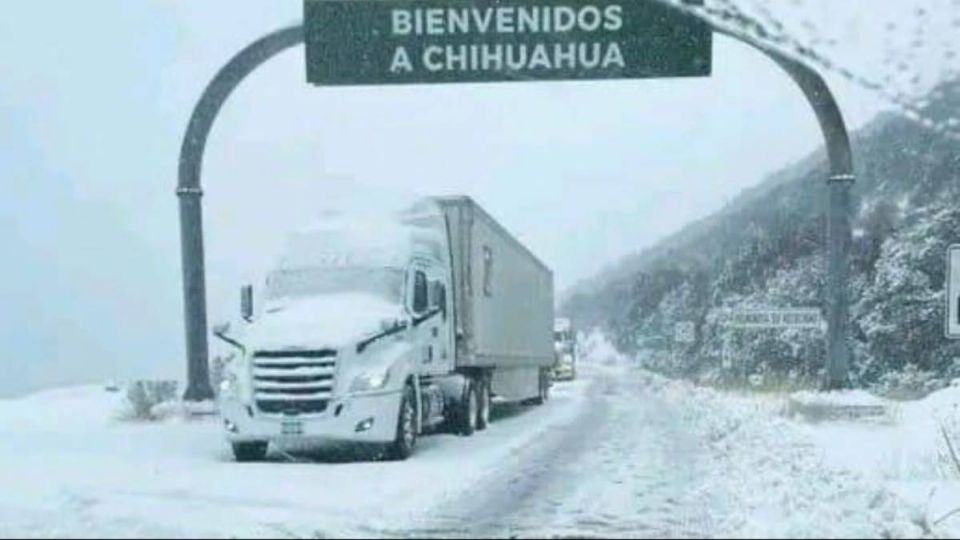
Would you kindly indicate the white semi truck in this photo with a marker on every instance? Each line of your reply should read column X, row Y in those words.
column 374, row 331
column 565, row 345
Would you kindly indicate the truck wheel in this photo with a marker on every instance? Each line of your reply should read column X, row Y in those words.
column 544, row 394
column 403, row 446
column 248, row 452
column 469, row 410
column 483, row 416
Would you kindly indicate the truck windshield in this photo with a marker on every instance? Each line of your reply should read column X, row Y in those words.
column 386, row 283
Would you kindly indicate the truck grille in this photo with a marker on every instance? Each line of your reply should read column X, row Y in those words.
column 293, row 382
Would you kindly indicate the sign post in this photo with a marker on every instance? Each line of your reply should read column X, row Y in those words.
column 358, row 42
column 726, row 355
column 953, row 292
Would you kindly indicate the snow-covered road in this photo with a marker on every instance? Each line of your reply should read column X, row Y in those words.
column 620, row 467
column 618, row 453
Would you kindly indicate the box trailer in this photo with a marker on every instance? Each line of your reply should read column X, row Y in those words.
column 503, row 299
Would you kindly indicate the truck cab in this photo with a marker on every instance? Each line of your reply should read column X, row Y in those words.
column 565, row 348
column 351, row 317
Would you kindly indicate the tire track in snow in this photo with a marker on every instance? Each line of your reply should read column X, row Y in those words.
column 623, row 467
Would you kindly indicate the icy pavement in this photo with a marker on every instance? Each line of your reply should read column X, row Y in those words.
column 618, row 453
column 620, row 468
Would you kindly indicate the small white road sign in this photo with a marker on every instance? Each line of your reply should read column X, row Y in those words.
column 773, row 318
column 953, row 292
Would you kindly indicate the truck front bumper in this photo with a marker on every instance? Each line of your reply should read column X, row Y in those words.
column 564, row 372
column 366, row 419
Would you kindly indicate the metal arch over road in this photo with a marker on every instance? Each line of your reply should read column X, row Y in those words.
column 249, row 59
column 190, row 194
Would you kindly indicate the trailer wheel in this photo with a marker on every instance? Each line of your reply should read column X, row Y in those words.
column 406, row 439
column 483, row 416
column 248, row 452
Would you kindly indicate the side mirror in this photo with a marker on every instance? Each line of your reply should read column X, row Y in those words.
column 246, row 302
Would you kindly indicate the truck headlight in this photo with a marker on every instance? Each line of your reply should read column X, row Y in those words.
column 370, row 381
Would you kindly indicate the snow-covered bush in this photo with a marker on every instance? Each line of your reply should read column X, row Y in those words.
column 150, row 400
column 909, row 383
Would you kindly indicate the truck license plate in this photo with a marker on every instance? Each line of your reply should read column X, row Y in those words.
column 292, row 428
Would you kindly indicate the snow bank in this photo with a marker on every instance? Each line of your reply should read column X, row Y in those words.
column 67, row 409
column 838, row 405
column 854, row 477
column 849, row 398
column 788, row 477
column 909, row 457
column 774, row 480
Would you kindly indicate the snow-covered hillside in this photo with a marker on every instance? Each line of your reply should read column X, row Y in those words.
column 767, row 249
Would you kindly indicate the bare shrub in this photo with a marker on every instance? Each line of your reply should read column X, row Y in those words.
column 145, row 397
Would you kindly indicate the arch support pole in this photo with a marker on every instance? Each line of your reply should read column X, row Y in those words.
column 839, row 210
column 190, row 193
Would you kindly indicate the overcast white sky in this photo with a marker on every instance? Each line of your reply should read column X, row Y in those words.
column 94, row 97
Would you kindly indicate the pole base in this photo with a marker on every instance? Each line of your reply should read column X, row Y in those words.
column 834, row 385
column 198, row 393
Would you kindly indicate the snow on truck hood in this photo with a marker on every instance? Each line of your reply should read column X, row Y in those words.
column 319, row 322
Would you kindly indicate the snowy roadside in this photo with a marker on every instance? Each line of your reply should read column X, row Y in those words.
column 909, row 456
column 69, row 470
column 785, row 478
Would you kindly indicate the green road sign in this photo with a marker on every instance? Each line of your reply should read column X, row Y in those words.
column 358, row 42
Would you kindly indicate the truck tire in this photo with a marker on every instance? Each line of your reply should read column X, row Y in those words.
column 469, row 410
column 249, row 452
column 406, row 438
column 483, row 415
column 544, row 390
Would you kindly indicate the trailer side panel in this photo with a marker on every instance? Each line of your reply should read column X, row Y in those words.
column 504, row 294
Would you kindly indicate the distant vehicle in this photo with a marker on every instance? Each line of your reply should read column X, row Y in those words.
column 565, row 349
column 374, row 331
